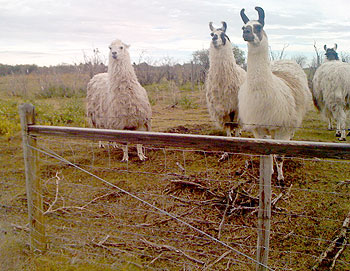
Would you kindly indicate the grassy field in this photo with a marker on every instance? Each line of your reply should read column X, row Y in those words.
column 218, row 198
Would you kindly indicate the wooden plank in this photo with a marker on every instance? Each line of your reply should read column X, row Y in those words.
column 264, row 214
column 33, row 182
column 303, row 149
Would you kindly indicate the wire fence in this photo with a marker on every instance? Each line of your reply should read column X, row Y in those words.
column 183, row 210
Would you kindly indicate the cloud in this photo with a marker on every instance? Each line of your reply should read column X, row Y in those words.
column 61, row 30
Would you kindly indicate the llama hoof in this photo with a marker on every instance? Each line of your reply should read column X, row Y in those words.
column 338, row 134
column 223, row 157
column 143, row 158
column 342, row 139
column 115, row 145
column 281, row 182
column 125, row 157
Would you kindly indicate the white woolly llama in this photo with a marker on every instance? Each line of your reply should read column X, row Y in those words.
column 223, row 82
column 331, row 91
column 116, row 100
column 275, row 97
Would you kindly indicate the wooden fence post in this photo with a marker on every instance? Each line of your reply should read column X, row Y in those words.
column 264, row 215
column 33, row 182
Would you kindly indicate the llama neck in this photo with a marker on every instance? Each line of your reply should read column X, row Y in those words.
column 121, row 70
column 222, row 60
column 221, row 56
column 258, row 66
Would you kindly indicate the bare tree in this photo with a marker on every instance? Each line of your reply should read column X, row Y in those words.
column 239, row 55
column 318, row 56
column 300, row 59
column 278, row 55
column 95, row 63
column 315, row 63
column 201, row 61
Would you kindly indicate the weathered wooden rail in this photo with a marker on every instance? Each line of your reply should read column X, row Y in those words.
column 263, row 147
column 304, row 149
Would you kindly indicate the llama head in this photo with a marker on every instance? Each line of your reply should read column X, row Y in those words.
column 118, row 50
column 331, row 53
column 219, row 37
column 253, row 31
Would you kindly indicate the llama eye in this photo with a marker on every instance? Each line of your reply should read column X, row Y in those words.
column 110, row 48
column 121, row 47
column 212, row 34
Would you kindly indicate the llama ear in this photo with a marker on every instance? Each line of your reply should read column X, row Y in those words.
column 325, row 47
column 244, row 17
column 261, row 15
column 224, row 26
column 211, row 26
column 335, row 46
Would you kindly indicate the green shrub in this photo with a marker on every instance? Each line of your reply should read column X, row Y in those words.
column 60, row 92
column 72, row 113
column 9, row 118
column 186, row 103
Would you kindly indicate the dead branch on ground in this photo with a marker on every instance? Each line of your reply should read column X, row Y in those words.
column 171, row 248
column 50, row 210
column 327, row 260
column 217, row 260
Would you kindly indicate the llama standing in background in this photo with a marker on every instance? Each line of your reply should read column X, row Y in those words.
column 116, row 100
column 275, row 96
column 331, row 53
column 223, row 82
column 331, row 91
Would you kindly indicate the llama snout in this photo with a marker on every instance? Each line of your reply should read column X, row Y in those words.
column 248, row 34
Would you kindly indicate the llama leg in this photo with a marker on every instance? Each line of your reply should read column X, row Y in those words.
column 225, row 155
column 280, row 158
column 125, row 153
column 343, row 126
column 140, row 152
column 330, row 126
column 238, row 131
column 100, row 144
column 115, row 145
column 341, row 123
column 338, row 130
column 279, row 164
column 341, row 131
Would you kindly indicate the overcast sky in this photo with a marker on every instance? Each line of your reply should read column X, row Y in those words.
column 50, row 32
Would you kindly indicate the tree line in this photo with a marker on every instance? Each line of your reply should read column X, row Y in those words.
column 150, row 72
